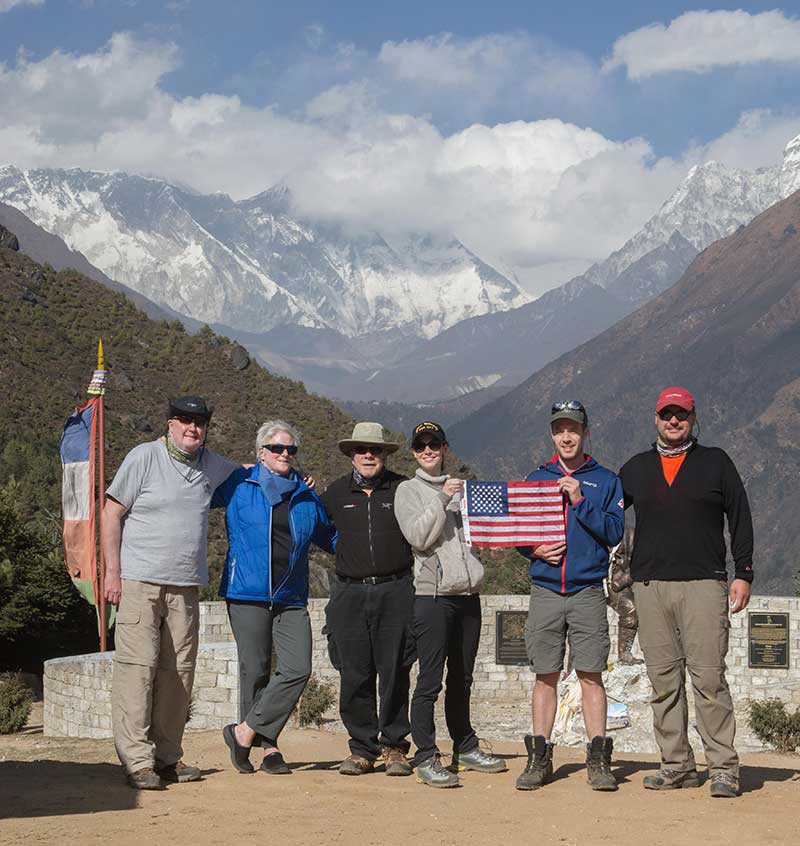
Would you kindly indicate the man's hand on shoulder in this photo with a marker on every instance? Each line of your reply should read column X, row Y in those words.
column 739, row 595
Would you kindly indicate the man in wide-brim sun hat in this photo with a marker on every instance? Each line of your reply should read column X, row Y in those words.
column 368, row 617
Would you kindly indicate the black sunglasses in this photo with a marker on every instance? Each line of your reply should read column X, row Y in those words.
column 434, row 443
column 363, row 449
column 187, row 419
column 667, row 414
column 277, row 449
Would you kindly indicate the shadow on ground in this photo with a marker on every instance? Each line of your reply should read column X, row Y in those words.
column 50, row 788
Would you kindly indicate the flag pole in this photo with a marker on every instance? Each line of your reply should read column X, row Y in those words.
column 101, row 468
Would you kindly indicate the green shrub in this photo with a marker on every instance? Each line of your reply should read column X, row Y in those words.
column 774, row 725
column 15, row 703
column 317, row 698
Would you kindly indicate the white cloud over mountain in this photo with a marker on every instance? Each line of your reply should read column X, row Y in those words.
column 703, row 40
column 8, row 5
column 531, row 193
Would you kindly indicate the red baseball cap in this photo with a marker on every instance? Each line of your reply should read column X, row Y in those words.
column 675, row 396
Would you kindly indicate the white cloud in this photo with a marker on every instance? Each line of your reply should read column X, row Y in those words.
column 537, row 194
column 702, row 40
column 756, row 141
column 7, row 5
column 490, row 68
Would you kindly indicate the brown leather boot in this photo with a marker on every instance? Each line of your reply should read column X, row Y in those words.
column 179, row 772
column 395, row 761
column 356, row 765
column 146, row 779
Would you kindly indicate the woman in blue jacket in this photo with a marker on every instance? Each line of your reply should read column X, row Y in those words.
column 272, row 516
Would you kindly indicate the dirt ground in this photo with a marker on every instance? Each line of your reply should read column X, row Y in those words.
column 72, row 791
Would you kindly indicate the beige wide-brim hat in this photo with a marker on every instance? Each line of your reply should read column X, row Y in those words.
column 368, row 434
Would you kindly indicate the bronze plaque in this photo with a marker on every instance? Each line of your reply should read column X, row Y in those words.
column 510, row 637
column 768, row 638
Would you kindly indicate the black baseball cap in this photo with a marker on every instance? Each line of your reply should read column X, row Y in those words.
column 426, row 427
column 190, row 406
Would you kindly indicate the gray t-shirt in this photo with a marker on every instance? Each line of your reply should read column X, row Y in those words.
column 164, row 531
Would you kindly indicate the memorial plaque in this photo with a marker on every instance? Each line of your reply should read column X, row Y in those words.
column 510, row 637
column 768, row 638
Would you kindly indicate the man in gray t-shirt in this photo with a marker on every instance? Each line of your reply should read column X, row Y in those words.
column 154, row 534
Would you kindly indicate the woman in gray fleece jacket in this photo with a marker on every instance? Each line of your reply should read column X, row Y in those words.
column 447, row 609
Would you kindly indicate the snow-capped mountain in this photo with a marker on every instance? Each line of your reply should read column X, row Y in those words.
column 250, row 264
column 712, row 202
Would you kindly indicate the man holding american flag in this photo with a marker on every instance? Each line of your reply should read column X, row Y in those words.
column 567, row 598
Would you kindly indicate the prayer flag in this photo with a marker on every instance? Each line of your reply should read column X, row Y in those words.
column 513, row 513
column 78, row 497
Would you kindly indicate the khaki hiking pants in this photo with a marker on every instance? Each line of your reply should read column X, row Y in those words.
column 685, row 625
column 156, row 642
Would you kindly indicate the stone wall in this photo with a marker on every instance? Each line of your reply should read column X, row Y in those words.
column 77, row 689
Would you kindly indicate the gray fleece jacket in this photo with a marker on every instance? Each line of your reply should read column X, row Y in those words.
column 431, row 523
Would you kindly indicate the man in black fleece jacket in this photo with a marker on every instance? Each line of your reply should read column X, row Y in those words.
column 368, row 617
column 682, row 493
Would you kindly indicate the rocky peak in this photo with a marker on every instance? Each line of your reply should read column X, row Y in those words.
column 789, row 178
column 8, row 239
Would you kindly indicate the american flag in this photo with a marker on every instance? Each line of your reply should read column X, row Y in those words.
column 513, row 513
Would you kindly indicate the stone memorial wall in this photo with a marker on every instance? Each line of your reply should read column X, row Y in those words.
column 78, row 700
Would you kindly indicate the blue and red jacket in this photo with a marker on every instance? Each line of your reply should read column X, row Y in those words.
column 595, row 523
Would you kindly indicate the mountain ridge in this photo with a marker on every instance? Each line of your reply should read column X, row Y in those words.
column 729, row 330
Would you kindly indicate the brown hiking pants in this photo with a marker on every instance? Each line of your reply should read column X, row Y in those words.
column 156, row 649
column 685, row 625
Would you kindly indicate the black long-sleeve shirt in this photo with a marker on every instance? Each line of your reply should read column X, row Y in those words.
column 369, row 542
column 680, row 528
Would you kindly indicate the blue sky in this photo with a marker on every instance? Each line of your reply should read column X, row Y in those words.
column 245, row 47
column 408, row 114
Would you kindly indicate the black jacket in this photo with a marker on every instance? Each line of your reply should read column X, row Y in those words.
column 370, row 542
column 680, row 528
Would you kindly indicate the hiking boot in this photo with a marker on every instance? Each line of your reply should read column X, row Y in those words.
column 433, row 773
column 598, row 764
column 146, row 779
column 724, row 786
column 478, row 760
column 666, row 779
column 180, row 772
column 395, row 762
column 356, row 765
column 539, row 769
column 275, row 765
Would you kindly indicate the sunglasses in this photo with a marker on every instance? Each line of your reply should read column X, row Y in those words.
column 363, row 450
column 435, row 444
column 667, row 414
column 278, row 449
column 186, row 420
column 569, row 405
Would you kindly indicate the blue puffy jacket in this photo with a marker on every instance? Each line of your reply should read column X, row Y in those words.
column 248, row 573
column 594, row 523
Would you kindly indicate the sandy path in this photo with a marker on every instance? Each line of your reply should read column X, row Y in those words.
column 71, row 791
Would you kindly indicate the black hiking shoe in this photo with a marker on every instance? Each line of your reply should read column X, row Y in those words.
column 539, row 769
column 598, row 764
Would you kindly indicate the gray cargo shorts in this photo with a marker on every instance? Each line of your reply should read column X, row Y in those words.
column 580, row 617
